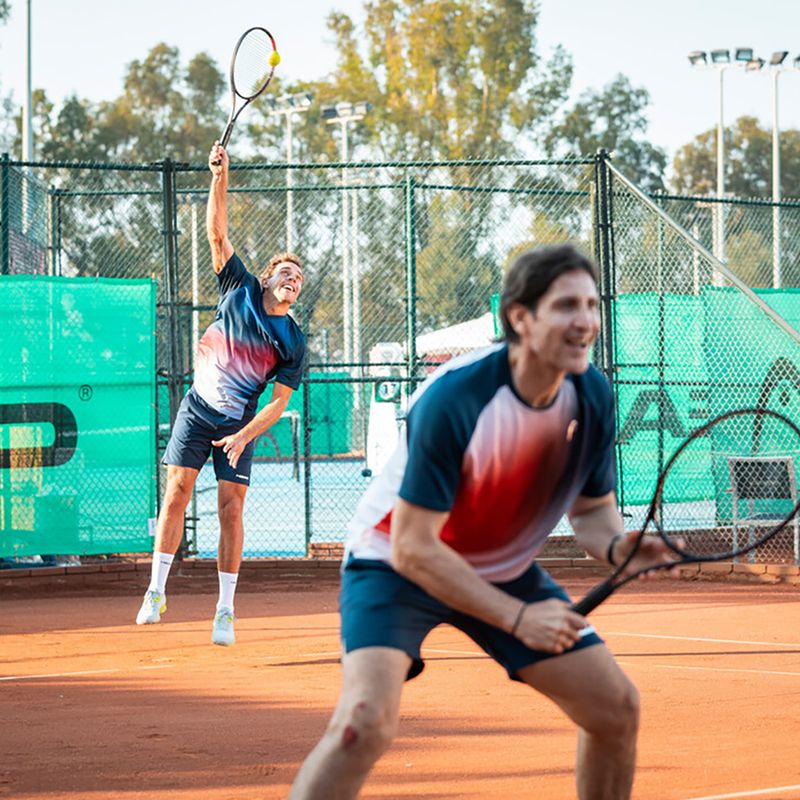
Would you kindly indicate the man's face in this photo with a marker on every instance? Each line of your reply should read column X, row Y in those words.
column 565, row 324
column 285, row 282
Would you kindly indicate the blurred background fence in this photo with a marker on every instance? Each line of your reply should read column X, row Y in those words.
column 699, row 307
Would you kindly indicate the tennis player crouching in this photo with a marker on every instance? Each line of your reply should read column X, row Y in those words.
column 253, row 340
column 498, row 446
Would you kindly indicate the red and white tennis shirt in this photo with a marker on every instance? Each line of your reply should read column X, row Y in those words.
column 506, row 472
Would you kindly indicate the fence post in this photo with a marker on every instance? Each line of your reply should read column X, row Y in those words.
column 174, row 371
column 5, row 215
column 411, row 277
column 605, row 353
column 54, row 204
column 175, row 374
column 309, row 525
column 604, row 250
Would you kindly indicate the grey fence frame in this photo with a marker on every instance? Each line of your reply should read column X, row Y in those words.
column 172, row 373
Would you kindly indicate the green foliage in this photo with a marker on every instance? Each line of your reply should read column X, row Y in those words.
column 166, row 110
column 613, row 119
column 748, row 162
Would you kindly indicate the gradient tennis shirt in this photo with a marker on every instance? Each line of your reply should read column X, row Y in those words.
column 506, row 472
column 244, row 347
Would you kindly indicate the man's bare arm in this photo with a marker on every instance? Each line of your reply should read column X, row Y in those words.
column 421, row 556
column 217, row 209
column 234, row 444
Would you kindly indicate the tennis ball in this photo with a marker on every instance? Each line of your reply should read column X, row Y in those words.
column 274, row 59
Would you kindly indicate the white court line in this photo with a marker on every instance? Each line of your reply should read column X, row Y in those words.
column 717, row 669
column 81, row 672
column 700, row 639
column 752, row 793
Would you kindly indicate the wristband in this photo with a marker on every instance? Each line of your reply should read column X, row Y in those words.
column 610, row 551
column 517, row 621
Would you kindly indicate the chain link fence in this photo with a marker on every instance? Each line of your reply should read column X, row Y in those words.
column 402, row 261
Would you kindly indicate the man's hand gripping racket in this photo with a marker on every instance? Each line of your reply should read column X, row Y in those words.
column 753, row 448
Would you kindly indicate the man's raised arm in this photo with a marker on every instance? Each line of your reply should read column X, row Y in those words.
column 217, row 210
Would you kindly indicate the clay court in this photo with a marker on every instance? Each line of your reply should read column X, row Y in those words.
column 94, row 707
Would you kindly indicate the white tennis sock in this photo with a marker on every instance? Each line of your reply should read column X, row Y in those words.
column 227, row 587
column 159, row 572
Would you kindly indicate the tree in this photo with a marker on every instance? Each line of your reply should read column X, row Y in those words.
column 614, row 119
column 448, row 79
column 748, row 162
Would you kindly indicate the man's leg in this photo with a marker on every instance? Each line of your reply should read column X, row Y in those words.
column 361, row 729
column 169, row 529
column 593, row 691
column 169, row 532
column 230, row 505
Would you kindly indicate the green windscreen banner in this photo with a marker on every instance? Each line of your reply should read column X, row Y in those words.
column 77, row 418
column 683, row 359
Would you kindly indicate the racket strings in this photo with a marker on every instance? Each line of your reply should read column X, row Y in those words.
column 251, row 67
column 738, row 477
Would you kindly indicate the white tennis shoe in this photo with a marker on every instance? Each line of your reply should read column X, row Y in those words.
column 222, row 631
column 153, row 606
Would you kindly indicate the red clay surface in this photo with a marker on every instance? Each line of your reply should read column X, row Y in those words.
column 94, row 707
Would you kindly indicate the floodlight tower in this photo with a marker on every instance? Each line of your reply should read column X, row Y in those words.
column 720, row 60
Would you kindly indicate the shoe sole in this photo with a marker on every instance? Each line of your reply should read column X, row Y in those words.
column 152, row 621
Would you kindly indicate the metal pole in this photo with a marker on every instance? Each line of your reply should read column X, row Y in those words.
column 27, row 122
column 411, row 280
column 195, row 282
column 776, row 186
column 307, row 507
column 27, row 119
column 347, row 291
column 356, row 284
column 720, row 253
column 288, row 180
column 5, row 215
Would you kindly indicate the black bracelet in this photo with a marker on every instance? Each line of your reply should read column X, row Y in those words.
column 610, row 551
column 517, row 621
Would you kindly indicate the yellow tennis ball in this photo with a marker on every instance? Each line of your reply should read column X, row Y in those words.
column 274, row 59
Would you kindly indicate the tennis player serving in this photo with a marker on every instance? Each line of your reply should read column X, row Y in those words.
column 498, row 446
column 251, row 342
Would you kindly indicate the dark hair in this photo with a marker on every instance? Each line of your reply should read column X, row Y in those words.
column 531, row 275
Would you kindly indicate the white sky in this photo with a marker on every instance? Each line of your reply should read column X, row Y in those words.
column 83, row 46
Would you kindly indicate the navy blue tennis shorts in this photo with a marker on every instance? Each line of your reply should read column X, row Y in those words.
column 197, row 424
column 381, row 608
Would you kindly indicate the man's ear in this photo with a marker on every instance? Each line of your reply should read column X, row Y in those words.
column 517, row 314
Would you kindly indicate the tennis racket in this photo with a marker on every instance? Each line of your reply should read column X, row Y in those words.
column 252, row 66
column 737, row 474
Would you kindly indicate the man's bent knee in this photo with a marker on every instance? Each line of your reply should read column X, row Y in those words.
column 618, row 715
column 363, row 731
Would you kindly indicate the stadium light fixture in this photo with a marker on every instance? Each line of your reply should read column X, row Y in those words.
column 697, row 57
column 744, row 54
column 343, row 114
column 720, row 57
column 776, row 66
column 287, row 105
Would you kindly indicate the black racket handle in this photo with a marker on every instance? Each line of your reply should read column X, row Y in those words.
column 226, row 137
column 594, row 598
